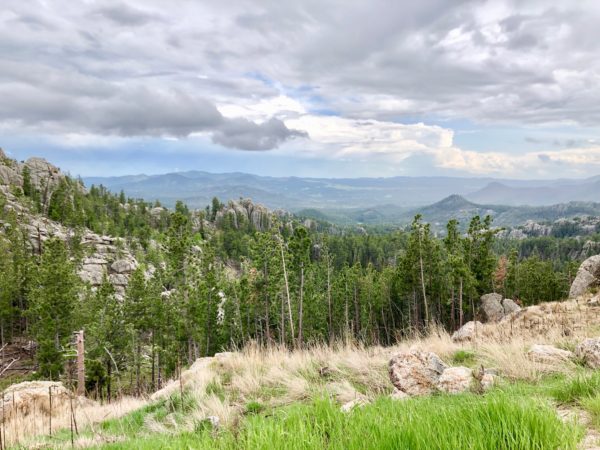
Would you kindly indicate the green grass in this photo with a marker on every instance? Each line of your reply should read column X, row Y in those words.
column 463, row 357
column 498, row 420
column 582, row 391
column 580, row 387
column 254, row 407
column 592, row 405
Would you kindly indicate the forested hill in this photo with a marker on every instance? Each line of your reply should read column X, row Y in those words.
column 459, row 208
column 455, row 207
column 155, row 288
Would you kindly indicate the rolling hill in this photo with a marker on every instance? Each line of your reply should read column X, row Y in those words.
column 377, row 199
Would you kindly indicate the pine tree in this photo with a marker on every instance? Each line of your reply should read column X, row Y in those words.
column 53, row 301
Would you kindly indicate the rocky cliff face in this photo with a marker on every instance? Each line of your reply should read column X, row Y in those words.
column 105, row 255
column 245, row 211
column 43, row 175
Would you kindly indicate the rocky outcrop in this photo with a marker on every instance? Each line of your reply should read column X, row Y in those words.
column 548, row 354
column 467, row 332
column 9, row 176
column 589, row 352
column 106, row 256
column 107, row 262
column 416, row 372
column 43, row 175
column 245, row 211
column 493, row 308
column 490, row 308
column 588, row 276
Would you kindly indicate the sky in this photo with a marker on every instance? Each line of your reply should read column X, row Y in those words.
column 323, row 88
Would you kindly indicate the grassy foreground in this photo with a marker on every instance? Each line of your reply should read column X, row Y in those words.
column 499, row 420
column 275, row 398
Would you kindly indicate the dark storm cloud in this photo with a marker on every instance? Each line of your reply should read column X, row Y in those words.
column 246, row 135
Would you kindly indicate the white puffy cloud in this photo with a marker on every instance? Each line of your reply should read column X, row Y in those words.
column 259, row 75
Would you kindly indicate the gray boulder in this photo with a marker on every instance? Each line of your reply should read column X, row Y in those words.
column 467, row 331
column 490, row 308
column 548, row 354
column 510, row 306
column 416, row 372
column 588, row 276
column 589, row 352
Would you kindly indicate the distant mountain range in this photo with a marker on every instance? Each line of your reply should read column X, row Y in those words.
column 454, row 207
column 373, row 199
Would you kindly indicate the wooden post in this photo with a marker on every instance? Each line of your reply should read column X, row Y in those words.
column 80, row 363
column 50, row 414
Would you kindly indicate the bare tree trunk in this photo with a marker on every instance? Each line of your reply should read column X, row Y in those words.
column 329, row 311
column 287, row 288
column 137, row 366
column 460, row 303
column 452, row 309
column 356, row 312
column 153, row 376
column 80, row 364
column 300, row 306
column 208, row 327
column 267, row 318
column 423, row 282
column 282, row 322
column 346, row 311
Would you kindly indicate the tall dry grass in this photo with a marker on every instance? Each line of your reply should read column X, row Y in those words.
column 223, row 386
column 31, row 413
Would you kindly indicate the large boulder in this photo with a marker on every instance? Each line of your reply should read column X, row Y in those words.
column 589, row 352
column 490, row 308
column 548, row 354
column 467, row 332
column 416, row 372
column 588, row 276
column 455, row 380
column 510, row 306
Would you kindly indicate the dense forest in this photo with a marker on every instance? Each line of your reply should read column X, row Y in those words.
column 207, row 282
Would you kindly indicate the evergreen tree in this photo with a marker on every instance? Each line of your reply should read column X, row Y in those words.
column 53, row 300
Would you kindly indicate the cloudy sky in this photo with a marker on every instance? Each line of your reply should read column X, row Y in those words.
column 309, row 88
